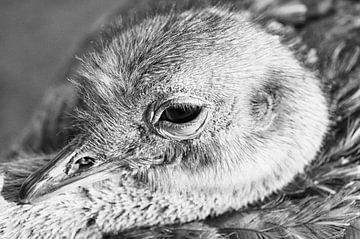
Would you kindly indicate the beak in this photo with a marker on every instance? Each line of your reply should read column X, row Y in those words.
column 72, row 167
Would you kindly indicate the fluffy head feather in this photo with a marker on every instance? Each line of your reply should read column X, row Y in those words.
column 268, row 114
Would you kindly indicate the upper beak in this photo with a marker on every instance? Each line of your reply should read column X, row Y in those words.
column 70, row 168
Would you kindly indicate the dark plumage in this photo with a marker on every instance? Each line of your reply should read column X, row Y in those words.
column 202, row 108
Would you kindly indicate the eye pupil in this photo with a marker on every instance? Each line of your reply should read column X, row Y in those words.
column 179, row 115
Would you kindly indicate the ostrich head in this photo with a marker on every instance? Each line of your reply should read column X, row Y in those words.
column 198, row 100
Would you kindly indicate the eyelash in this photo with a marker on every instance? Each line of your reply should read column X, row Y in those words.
column 190, row 113
column 187, row 129
column 158, row 110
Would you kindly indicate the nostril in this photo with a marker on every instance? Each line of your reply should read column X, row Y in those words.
column 131, row 150
column 85, row 162
column 80, row 165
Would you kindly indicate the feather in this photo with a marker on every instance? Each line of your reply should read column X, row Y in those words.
column 321, row 203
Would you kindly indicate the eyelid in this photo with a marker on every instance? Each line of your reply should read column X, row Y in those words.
column 179, row 131
column 159, row 109
column 183, row 125
column 183, row 131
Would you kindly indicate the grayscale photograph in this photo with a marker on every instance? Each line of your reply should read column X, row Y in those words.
column 152, row 119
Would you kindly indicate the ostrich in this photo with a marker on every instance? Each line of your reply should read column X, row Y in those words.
column 192, row 101
column 199, row 107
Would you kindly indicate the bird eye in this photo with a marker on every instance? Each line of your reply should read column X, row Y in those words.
column 180, row 114
column 180, row 118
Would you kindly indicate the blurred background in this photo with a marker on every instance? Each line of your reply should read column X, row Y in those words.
column 37, row 39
